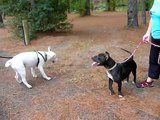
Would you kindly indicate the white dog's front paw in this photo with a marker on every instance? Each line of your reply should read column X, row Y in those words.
column 29, row 86
column 35, row 76
column 47, row 78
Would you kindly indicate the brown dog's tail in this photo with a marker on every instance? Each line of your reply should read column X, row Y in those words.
column 130, row 57
column 126, row 51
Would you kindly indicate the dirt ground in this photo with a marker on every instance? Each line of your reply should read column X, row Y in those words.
column 79, row 91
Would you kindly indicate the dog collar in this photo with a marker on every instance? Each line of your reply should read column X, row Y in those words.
column 113, row 67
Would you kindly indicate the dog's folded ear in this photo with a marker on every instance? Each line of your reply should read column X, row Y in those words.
column 106, row 53
column 49, row 48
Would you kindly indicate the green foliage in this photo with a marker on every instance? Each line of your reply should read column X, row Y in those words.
column 82, row 7
column 113, row 5
column 121, row 5
column 48, row 15
column 16, row 27
column 79, row 6
column 149, row 4
column 14, row 7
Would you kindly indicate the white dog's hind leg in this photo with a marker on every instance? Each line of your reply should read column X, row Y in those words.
column 43, row 73
column 33, row 72
column 17, row 77
column 22, row 73
column 25, row 81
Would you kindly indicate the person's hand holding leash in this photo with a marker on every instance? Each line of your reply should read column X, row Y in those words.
column 146, row 38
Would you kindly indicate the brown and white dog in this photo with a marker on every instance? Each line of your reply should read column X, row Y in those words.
column 116, row 72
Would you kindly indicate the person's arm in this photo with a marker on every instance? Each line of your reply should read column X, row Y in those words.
column 147, row 36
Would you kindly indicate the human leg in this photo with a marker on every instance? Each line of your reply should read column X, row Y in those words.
column 154, row 67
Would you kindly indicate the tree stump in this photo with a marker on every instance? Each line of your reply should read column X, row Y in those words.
column 26, row 32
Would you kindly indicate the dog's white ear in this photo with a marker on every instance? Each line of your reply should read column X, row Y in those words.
column 49, row 48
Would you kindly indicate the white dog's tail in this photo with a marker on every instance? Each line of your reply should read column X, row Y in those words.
column 8, row 63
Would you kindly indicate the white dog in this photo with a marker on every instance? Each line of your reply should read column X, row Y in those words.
column 30, row 59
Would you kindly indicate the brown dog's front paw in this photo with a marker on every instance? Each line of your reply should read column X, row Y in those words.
column 120, row 96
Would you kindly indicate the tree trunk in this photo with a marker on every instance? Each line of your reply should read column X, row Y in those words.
column 132, row 13
column 69, row 6
column 109, row 5
column 114, row 5
column 33, row 4
column 144, row 12
column 1, row 18
column 88, row 12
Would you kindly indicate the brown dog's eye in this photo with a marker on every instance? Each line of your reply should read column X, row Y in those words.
column 106, row 57
column 99, row 59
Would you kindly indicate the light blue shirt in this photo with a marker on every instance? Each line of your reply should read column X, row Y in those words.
column 155, row 10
